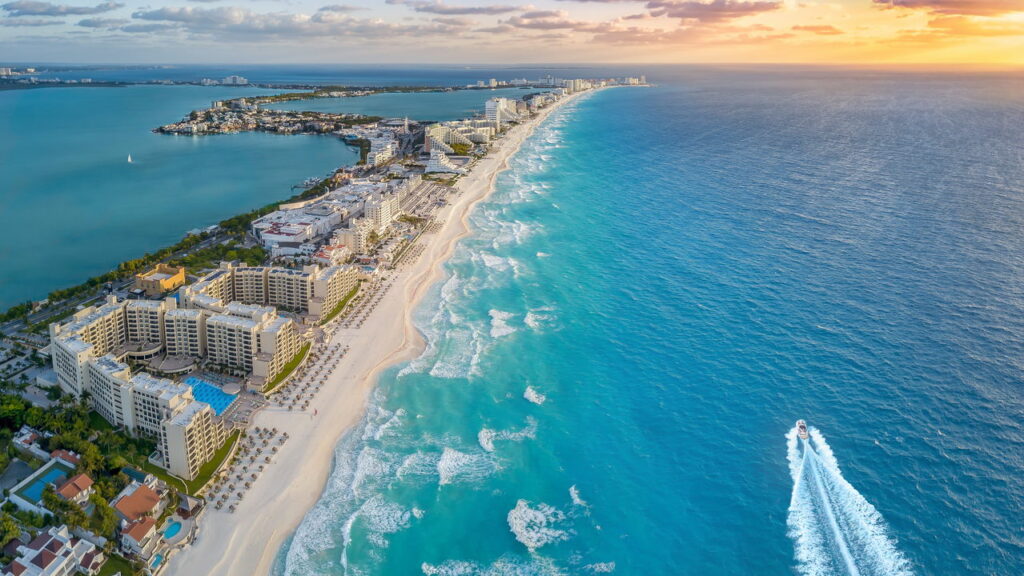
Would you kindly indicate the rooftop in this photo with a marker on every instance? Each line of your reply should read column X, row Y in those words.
column 109, row 364
column 148, row 304
column 140, row 529
column 184, row 418
column 75, row 486
column 159, row 387
column 76, row 344
column 232, row 321
column 137, row 503
column 184, row 313
column 91, row 314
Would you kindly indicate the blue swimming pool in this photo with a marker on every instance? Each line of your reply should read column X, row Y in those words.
column 218, row 399
column 172, row 529
column 34, row 491
column 157, row 560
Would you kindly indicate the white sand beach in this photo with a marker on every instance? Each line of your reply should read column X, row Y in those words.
column 246, row 542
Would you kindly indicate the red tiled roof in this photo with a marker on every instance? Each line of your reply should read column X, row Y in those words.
column 65, row 455
column 44, row 558
column 138, row 530
column 91, row 560
column 139, row 503
column 39, row 541
column 17, row 568
column 75, row 486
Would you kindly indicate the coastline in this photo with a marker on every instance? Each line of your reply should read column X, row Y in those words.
column 248, row 541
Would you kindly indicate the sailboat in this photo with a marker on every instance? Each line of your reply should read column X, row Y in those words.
column 129, row 158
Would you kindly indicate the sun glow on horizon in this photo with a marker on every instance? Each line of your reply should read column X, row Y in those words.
column 444, row 31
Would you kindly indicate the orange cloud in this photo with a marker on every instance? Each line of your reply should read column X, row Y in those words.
column 970, row 7
column 825, row 30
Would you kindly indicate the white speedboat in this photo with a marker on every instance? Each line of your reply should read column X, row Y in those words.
column 801, row 429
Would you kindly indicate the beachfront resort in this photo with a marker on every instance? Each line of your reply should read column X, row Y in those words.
column 180, row 365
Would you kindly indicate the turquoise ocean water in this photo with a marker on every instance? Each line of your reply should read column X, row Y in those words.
column 662, row 283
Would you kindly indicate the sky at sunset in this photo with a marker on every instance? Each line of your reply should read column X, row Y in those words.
column 502, row 31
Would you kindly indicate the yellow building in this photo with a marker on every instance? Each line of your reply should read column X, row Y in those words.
column 163, row 278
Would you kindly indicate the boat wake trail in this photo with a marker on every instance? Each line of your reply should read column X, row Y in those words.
column 834, row 529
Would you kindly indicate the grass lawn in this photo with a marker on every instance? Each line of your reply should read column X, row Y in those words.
column 192, row 486
column 288, row 368
column 97, row 422
column 115, row 564
column 341, row 305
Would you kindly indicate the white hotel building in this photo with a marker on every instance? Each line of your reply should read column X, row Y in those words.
column 144, row 405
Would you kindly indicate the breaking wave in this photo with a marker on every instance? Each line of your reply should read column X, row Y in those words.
column 535, row 527
column 499, row 323
column 455, row 466
column 505, row 566
column 486, row 437
column 534, row 396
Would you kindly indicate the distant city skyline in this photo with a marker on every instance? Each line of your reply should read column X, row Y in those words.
column 504, row 31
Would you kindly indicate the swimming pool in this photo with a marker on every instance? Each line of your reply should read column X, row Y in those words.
column 218, row 399
column 172, row 529
column 34, row 492
column 157, row 560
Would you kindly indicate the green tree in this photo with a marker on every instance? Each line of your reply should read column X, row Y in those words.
column 35, row 417
column 103, row 520
column 66, row 512
column 9, row 528
column 12, row 411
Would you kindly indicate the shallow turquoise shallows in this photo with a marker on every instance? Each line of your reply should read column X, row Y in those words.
column 666, row 280
column 71, row 206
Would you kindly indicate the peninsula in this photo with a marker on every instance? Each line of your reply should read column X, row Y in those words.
column 245, row 114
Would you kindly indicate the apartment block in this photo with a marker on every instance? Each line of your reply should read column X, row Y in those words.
column 289, row 289
column 188, row 432
column 191, row 438
column 330, row 287
column 232, row 338
column 185, row 333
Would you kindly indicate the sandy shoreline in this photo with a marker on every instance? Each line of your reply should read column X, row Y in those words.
column 247, row 542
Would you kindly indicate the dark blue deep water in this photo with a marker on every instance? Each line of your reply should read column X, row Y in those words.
column 664, row 281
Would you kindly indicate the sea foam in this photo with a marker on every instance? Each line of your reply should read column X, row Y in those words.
column 499, row 323
column 536, row 527
column 486, row 436
column 455, row 466
column 534, row 396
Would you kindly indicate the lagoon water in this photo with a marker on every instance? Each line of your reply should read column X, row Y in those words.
column 71, row 206
column 70, row 198
column 663, row 282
